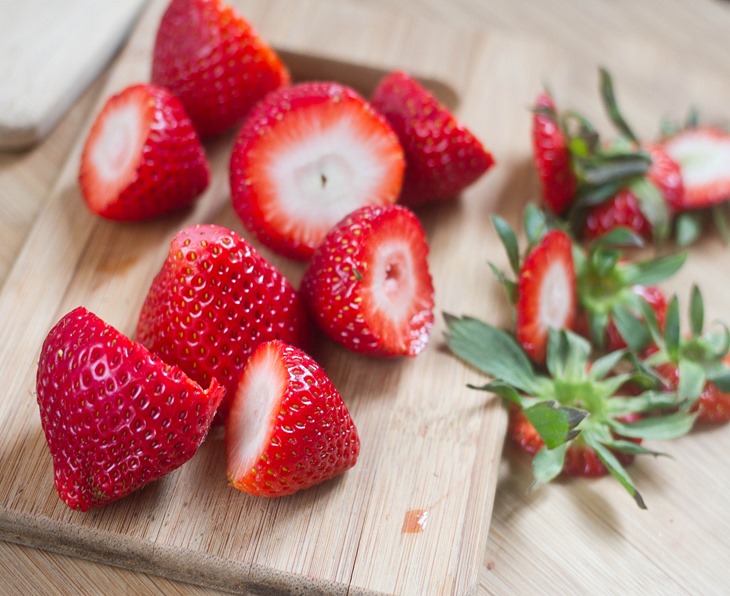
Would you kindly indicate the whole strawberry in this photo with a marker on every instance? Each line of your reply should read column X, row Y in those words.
column 288, row 427
column 213, row 301
column 114, row 415
column 209, row 56
column 142, row 157
column 443, row 157
column 368, row 285
column 305, row 157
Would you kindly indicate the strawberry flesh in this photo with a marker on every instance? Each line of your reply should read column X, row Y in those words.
column 213, row 301
column 288, row 428
column 703, row 155
column 212, row 58
column 142, row 157
column 115, row 417
column 552, row 157
column 443, row 157
column 546, row 293
column 368, row 285
column 307, row 156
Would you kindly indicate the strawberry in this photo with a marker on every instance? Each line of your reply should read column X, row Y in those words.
column 305, row 157
column 546, row 293
column 627, row 208
column 368, row 284
column 142, row 157
column 703, row 155
column 443, row 157
column 208, row 55
column 580, row 459
column 580, row 417
column 213, row 301
column 288, row 427
column 115, row 416
column 713, row 403
column 552, row 157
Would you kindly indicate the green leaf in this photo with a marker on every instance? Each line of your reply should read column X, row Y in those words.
column 535, row 223
column 657, row 428
column 614, row 467
column 609, row 101
column 692, row 379
column 693, row 118
column 621, row 236
column 653, row 206
column 671, row 329
column 649, row 317
column 554, row 423
column 501, row 389
column 687, row 228
column 589, row 195
column 492, row 351
column 719, row 217
column 633, row 448
column 556, row 353
column 612, row 168
column 634, row 332
column 696, row 311
column 509, row 240
column 719, row 375
column 548, row 463
column 510, row 287
column 648, row 401
column 605, row 364
column 598, row 321
column 653, row 271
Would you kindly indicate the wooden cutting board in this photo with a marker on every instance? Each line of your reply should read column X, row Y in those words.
column 429, row 451
column 49, row 52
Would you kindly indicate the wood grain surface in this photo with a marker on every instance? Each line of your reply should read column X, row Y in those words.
column 570, row 537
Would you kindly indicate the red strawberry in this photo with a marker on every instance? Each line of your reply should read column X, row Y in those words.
column 307, row 156
column 208, row 55
column 142, row 157
column 368, row 285
column 552, row 157
column 114, row 415
column 703, row 155
column 288, row 428
column 580, row 459
column 546, row 293
column 442, row 156
column 214, row 300
column 625, row 208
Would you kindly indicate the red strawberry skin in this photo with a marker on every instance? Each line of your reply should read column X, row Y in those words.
column 305, row 157
column 209, row 56
column 624, row 208
column 115, row 417
column 213, row 301
column 546, row 293
column 301, row 436
column 142, row 157
column 368, row 285
column 443, row 157
column 552, row 158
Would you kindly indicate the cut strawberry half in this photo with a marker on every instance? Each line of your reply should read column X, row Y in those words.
column 368, row 284
column 307, row 156
column 115, row 416
column 546, row 293
column 210, row 57
column 703, row 155
column 289, row 427
column 552, row 157
column 142, row 157
column 443, row 157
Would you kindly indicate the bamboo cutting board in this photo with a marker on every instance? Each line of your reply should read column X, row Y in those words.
column 429, row 453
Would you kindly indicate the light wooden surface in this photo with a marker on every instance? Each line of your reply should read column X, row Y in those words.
column 49, row 53
column 575, row 536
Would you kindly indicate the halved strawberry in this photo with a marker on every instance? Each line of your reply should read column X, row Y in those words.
column 209, row 56
column 368, row 284
column 213, row 301
column 443, row 157
column 546, row 293
column 703, row 155
column 305, row 157
column 289, row 427
column 142, row 157
column 552, row 156
column 115, row 416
